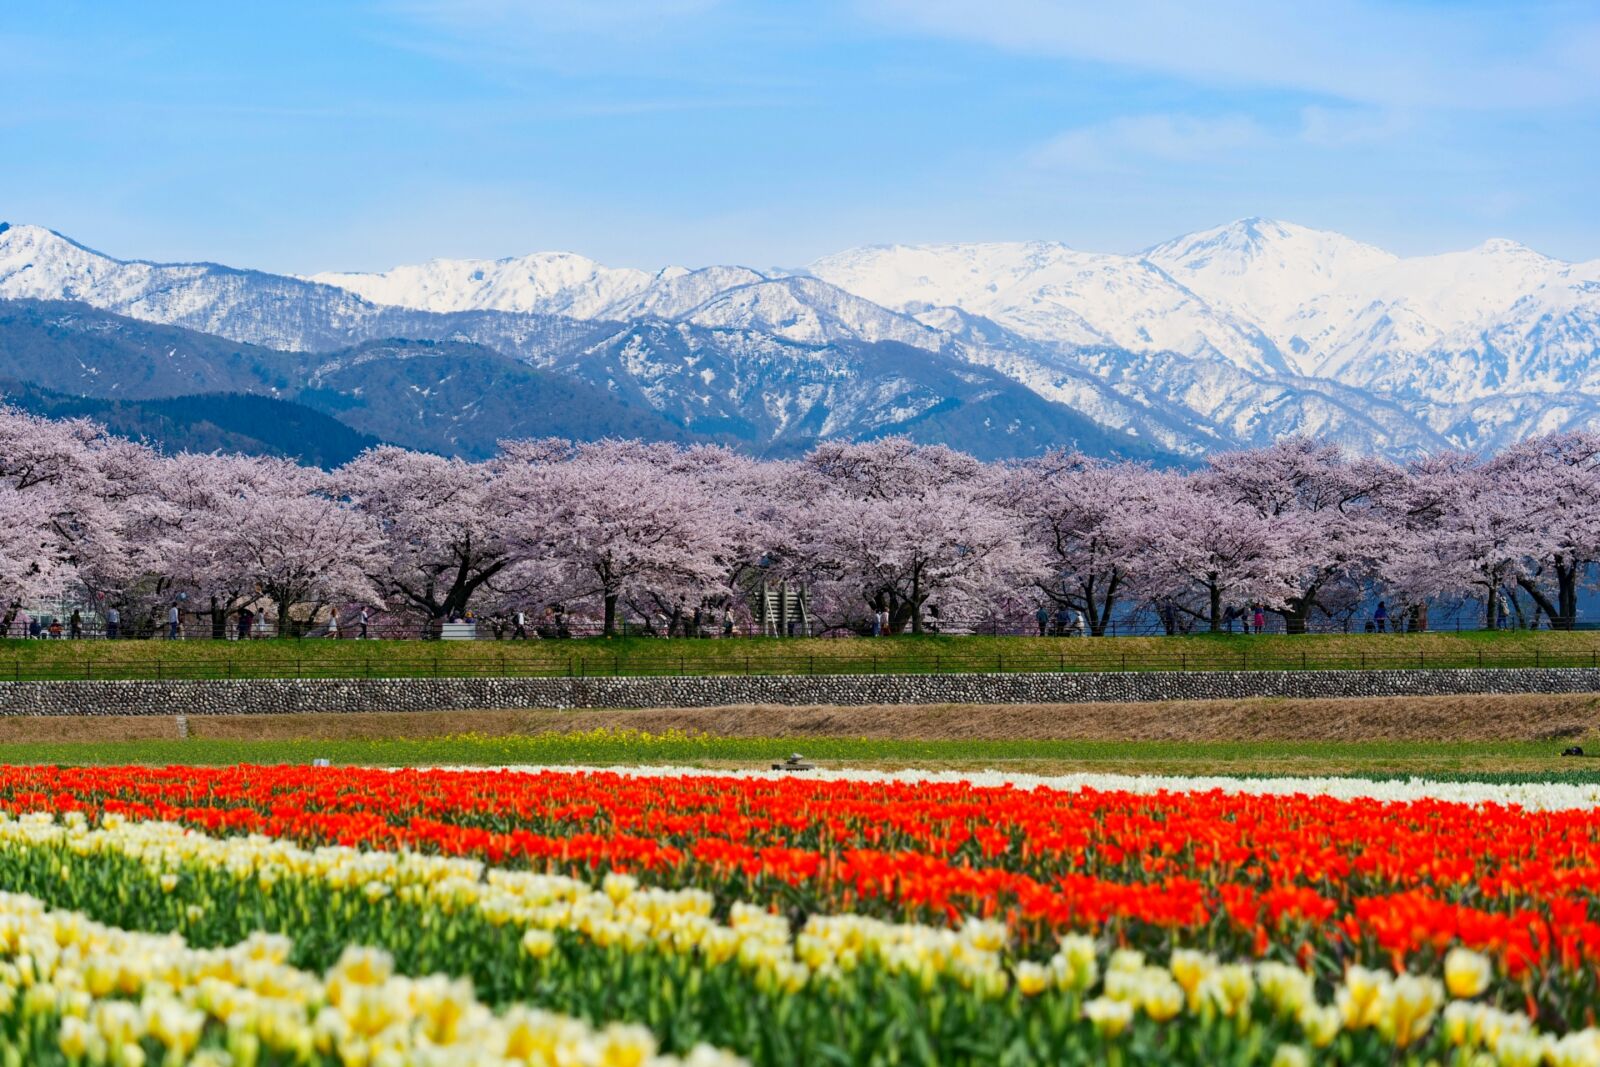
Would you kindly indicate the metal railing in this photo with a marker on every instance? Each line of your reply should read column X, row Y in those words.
column 1142, row 624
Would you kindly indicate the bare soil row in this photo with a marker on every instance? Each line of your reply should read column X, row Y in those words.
column 1447, row 718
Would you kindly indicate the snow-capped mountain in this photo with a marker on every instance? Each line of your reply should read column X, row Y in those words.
column 251, row 307
column 1432, row 338
column 1054, row 294
column 1452, row 328
column 551, row 283
column 1273, row 274
column 1217, row 339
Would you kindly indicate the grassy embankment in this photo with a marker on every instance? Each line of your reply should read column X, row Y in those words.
column 24, row 660
column 1517, row 736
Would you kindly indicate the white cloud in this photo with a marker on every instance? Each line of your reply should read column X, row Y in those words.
column 633, row 18
column 1337, row 127
column 1395, row 55
column 1135, row 139
column 620, row 39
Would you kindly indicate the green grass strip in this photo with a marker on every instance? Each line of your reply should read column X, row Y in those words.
column 1458, row 761
column 23, row 660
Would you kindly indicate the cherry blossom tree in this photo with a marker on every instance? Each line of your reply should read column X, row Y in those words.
column 905, row 524
column 444, row 529
column 1555, row 483
column 1300, row 527
column 615, row 520
column 1085, row 518
column 1322, row 505
column 1465, row 535
column 277, row 529
column 53, row 505
column 1200, row 552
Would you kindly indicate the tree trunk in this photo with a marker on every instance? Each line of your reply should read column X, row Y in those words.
column 1566, row 597
column 1216, row 608
column 611, row 615
column 219, row 621
column 917, row 598
column 283, row 618
column 1544, row 603
column 1099, row 621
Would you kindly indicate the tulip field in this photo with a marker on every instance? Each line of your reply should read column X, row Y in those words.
column 313, row 915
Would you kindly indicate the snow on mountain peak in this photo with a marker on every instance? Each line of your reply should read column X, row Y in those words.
column 1259, row 326
column 561, row 283
column 1050, row 292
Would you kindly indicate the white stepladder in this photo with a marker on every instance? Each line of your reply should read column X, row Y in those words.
column 782, row 611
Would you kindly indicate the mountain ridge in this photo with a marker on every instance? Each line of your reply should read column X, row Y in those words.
column 1215, row 339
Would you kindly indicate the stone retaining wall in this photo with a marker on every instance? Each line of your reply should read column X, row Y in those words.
column 277, row 696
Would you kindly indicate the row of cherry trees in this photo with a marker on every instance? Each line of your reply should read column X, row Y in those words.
column 625, row 528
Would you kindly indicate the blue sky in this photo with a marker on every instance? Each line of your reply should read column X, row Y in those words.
column 356, row 135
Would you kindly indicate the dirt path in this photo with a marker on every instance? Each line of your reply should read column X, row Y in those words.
column 1466, row 718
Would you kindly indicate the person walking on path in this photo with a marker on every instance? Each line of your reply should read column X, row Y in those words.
column 113, row 623
column 246, row 617
column 727, row 623
column 1380, row 617
column 333, row 623
column 519, row 626
column 1260, row 619
column 172, row 623
column 75, row 624
column 877, row 624
column 365, row 618
column 1042, row 616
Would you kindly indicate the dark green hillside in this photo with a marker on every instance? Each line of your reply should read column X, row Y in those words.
column 208, row 422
